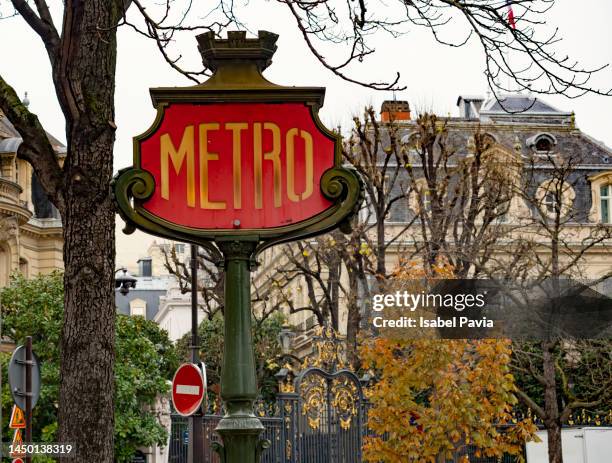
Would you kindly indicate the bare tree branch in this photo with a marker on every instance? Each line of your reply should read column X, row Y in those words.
column 42, row 25
column 35, row 147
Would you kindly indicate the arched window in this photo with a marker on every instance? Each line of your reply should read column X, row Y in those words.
column 550, row 202
column 550, row 193
column 601, row 197
column 542, row 142
column 605, row 198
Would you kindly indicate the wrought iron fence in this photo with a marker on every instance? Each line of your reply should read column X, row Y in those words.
column 179, row 439
column 310, row 446
column 320, row 416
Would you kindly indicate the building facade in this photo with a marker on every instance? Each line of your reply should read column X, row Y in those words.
column 522, row 131
column 158, row 296
column 30, row 226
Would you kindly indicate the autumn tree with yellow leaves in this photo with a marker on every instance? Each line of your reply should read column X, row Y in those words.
column 435, row 399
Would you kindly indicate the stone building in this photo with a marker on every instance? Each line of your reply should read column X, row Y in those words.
column 158, row 295
column 520, row 128
column 30, row 226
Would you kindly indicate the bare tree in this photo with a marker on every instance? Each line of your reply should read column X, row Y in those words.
column 211, row 282
column 462, row 193
column 542, row 67
column 560, row 379
column 336, row 270
column 549, row 252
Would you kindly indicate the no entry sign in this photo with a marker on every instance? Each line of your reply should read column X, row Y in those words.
column 188, row 389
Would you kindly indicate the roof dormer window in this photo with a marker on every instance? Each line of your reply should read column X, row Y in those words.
column 542, row 143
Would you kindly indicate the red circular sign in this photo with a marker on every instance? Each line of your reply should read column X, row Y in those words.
column 187, row 389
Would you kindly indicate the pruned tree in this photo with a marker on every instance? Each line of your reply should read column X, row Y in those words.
column 462, row 193
column 336, row 270
column 448, row 196
column 542, row 260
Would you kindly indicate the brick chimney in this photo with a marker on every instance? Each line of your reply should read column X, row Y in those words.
column 394, row 110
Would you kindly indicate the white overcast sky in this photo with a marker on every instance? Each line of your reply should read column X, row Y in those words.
column 434, row 75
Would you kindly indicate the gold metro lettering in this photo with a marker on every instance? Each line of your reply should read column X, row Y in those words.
column 183, row 157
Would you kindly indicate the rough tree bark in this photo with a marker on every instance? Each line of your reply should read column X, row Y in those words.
column 551, row 407
column 83, row 61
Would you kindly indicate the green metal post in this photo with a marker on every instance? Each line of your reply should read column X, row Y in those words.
column 237, row 64
column 239, row 428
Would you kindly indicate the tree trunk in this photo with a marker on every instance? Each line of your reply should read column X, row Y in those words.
column 334, row 294
column 86, row 412
column 85, row 82
column 555, row 454
column 381, row 251
column 353, row 323
column 551, row 407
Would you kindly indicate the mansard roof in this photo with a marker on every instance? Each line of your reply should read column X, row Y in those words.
column 518, row 103
column 520, row 130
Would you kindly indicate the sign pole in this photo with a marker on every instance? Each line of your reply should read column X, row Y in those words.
column 24, row 382
column 239, row 428
column 195, row 451
column 245, row 164
column 194, row 305
column 28, row 393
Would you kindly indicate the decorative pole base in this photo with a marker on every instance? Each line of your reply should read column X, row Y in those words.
column 241, row 442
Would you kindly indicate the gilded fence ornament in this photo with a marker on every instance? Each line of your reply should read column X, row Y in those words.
column 328, row 351
column 314, row 396
column 345, row 394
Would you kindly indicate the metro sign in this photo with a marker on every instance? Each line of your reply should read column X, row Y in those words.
column 237, row 157
column 236, row 166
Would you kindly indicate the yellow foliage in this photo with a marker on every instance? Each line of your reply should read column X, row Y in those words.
column 437, row 396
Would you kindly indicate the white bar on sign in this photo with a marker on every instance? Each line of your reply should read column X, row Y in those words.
column 188, row 390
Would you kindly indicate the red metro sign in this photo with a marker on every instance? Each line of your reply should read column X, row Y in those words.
column 236, row 166
column 237, row 157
